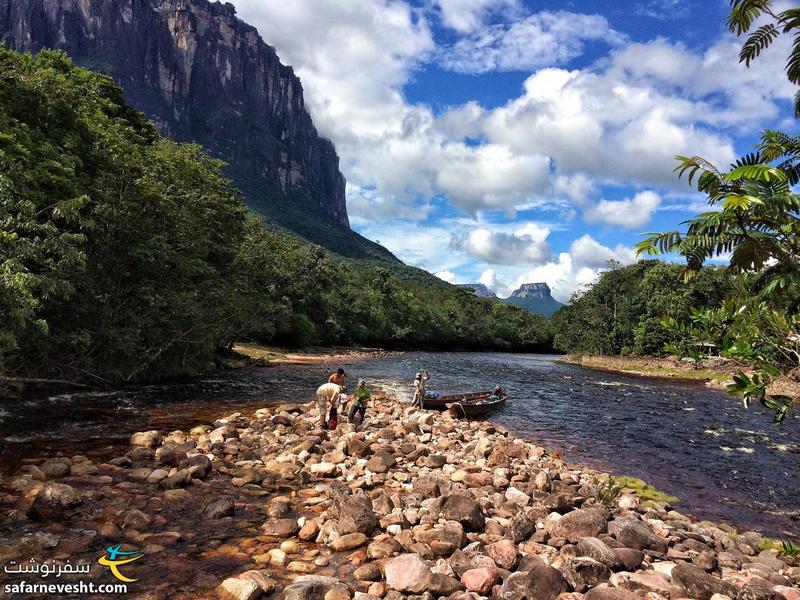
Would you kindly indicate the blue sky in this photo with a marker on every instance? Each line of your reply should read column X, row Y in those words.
column 513, row 141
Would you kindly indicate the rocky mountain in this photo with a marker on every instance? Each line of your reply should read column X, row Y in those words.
column 479, row 289
column 533, row 297
column 203, row 75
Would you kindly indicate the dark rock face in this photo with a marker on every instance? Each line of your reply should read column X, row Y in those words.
column 201, row 75
column 535, row 298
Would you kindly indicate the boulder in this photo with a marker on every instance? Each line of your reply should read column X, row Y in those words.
column 147, row 439
column 52, row 500
column 313, row 587
column 609, row 593
column 632, row 533
column 598, row 550
column 459, row 508
column 261, row 578
column 584, row 573
column 758, row 589
column 542, row 582
column 238, row 589
column 408, row 573
column 481, row 580
column 219, row 508
column 584, row 522
column 521, row 528
column 504, row 553
column 348, row 541
column 381, row 462
column 368, row 572
column 354, row 513
column 53, row 468
column 699, row 584
column 280, row 528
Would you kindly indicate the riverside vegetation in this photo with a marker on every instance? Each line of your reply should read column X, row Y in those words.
column 128, row 257
column 415, row 505
column 754, row 218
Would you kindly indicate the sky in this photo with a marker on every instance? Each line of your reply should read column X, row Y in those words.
column 518, row 141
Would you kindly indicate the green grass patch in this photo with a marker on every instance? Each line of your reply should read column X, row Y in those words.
column 256, row 352
column 645, row 491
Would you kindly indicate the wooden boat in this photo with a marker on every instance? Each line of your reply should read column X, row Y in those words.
column 470, row 404
column 441, row 402
column 476, row 408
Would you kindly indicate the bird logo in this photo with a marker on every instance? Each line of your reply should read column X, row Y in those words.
column 115, row 556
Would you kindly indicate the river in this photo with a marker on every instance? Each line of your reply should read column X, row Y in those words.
column 724, row 462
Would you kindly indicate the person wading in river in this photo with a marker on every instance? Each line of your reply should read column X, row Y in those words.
column 327, row 395
column 360, row 397
column 420, row 381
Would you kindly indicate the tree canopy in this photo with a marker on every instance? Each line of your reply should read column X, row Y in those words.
column 125, row 256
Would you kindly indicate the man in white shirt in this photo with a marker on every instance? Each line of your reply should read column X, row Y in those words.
column 327, row 395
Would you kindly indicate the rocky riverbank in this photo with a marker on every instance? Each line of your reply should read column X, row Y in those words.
column 415, row 505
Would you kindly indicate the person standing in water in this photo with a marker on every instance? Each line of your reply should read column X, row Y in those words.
column 360, row 397
column 420, row 381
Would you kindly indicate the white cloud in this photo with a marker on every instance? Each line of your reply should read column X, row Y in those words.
column 604, row 127
column 663, row 9
column 567, row 135
column 570, row 271
column 490, row 176
column 539, row 40
column 526, row 246
column 466, row 16
column 631, row 212
column 488, row 278
column 588, row 252
column 447, row 276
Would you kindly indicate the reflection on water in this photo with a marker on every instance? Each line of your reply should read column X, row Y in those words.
column 724, row 462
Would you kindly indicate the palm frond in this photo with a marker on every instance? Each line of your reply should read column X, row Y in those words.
column 659, row 243
column 743, row 13
column 761, row 172
column 757, row 41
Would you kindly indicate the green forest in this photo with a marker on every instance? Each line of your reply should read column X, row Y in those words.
column 129, row 257
column 748, row 313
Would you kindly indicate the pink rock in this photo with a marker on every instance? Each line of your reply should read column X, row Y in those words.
column 504, row 553
column 789, row 593
column 481, row 580
column 408, row 573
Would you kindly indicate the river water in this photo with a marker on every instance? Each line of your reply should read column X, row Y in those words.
column 724, row 462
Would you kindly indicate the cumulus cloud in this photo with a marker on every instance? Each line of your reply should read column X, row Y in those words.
column 447, row 276
column 588, row 252
column 604, row 127
column 571, row 271
column 567, row 135
column 466, row 16
column 526, row 246
column 542, row 39
column 631, row 212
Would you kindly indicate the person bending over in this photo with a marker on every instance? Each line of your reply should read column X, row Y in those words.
column 327, row 395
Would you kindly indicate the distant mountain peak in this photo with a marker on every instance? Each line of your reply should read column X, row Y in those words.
column 533, row 297
column 532, row 290
column 480, row 289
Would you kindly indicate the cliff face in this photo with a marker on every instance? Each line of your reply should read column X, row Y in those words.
column 535, row 298
column 202, row 75
column 538, row 291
